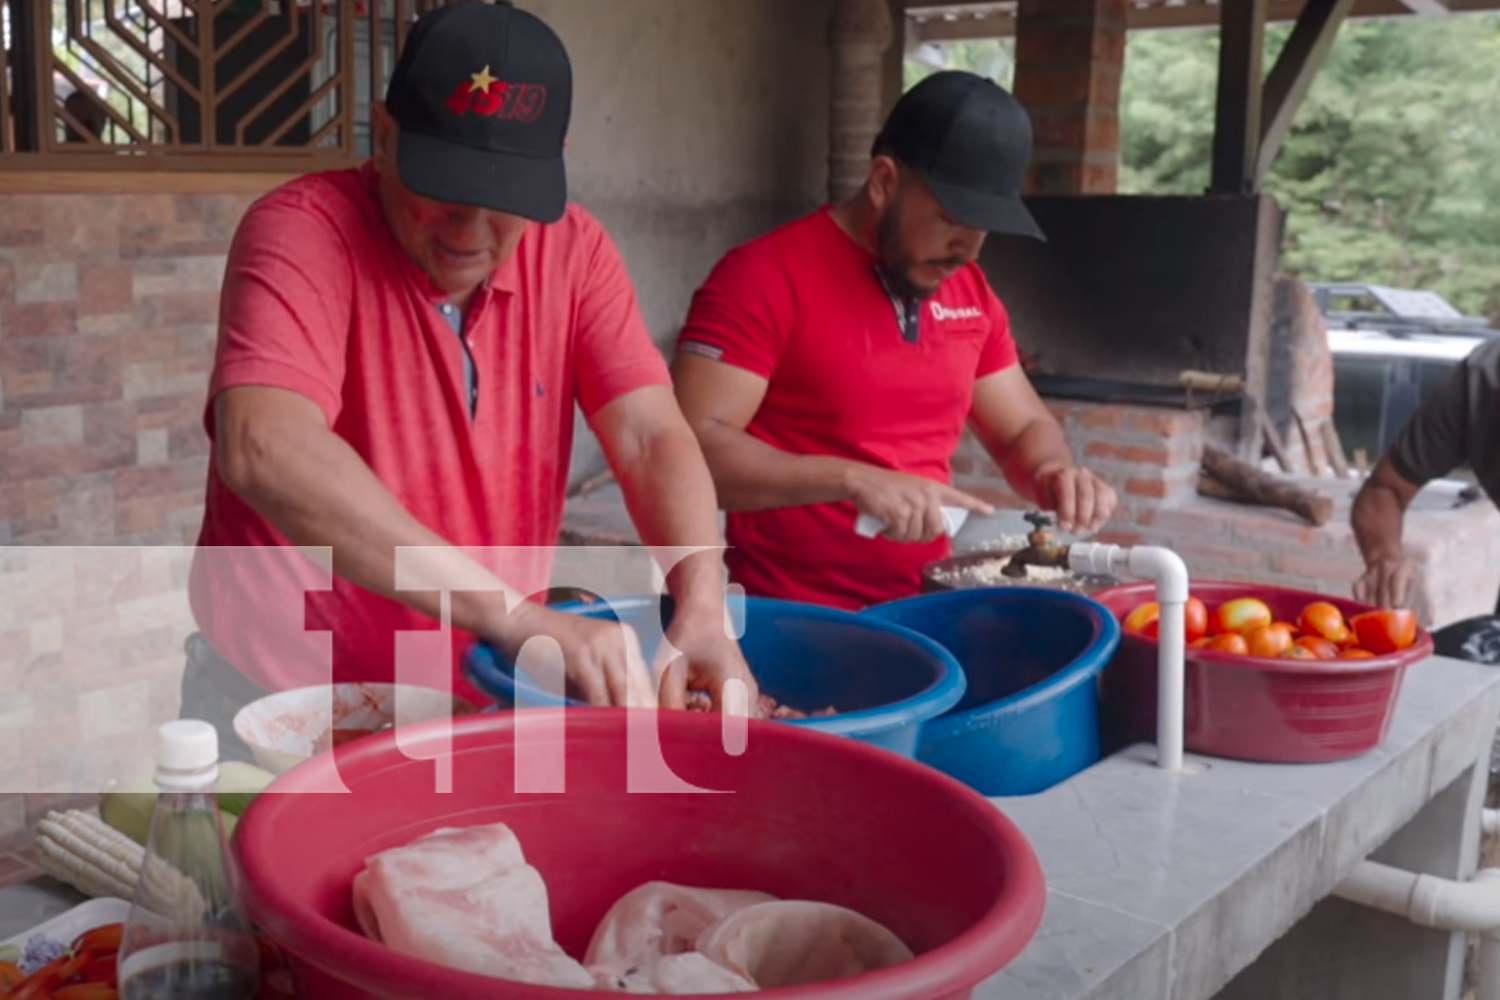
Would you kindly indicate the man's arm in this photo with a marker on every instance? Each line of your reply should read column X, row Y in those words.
column 276, row 451
column 1433, row 443
column 1377, row 516
column 719, row 401
column 1025, row 440
column 670, row 496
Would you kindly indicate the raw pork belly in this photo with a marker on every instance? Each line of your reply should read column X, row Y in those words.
column 678, row 975
column 645, row 942
column 792, row 943
column 468, row 900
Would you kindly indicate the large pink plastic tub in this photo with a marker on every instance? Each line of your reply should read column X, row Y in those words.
column 808, row 816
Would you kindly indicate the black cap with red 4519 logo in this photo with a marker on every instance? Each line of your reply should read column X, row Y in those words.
column 483, row 93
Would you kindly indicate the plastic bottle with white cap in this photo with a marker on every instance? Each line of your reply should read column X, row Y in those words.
column 188, row 937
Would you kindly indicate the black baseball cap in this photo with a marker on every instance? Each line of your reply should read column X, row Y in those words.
column 970, row 140
column 483, row 93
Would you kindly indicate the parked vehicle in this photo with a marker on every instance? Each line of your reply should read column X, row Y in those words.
column 1391, row 347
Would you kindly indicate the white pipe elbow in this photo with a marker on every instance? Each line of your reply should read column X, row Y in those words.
column 1163, row 566
column 1427, row 900
column 1167, row 570
column 1490, row 822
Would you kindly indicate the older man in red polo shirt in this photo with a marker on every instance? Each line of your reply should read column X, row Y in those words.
column 830, row 366
column 401, row 349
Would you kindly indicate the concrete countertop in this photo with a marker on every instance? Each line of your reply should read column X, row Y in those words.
column 1165, row 885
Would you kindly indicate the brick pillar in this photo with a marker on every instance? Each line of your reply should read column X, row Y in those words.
column 859, row 35
column 1069, row 55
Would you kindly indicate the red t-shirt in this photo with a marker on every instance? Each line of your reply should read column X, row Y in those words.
column 320, row 299
column 804, row 308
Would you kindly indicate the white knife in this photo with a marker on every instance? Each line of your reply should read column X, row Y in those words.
column 869, row 527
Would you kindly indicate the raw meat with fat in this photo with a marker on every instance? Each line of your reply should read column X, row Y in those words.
column 677, row 975
column 466, row 899
column 659, row 920
column 793, row 943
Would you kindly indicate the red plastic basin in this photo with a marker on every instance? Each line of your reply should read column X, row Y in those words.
column 810, row 816
column 1256, row 708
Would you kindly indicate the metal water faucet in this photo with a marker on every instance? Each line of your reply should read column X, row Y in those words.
column 1042, row 548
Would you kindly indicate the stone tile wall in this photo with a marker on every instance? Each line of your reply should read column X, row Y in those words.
column 108, row 308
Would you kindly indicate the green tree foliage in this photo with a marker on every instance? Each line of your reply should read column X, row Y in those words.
column 1391, row 172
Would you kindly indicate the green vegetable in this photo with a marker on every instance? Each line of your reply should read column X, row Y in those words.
column 239, row 784
column 127, row 805
column 12, row 953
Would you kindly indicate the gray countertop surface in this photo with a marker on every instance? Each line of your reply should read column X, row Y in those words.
column 1162, row 886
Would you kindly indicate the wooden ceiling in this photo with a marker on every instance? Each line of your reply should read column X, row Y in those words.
column 929, row 21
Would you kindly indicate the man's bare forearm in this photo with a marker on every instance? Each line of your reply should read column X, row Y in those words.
column 670, row 496
column 1377, row 521
column 752, row 475
column 319, row 492
column 1039, row 450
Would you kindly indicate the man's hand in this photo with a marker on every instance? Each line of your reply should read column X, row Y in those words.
column 910, row 506
column 1389, row 582
column 602, row 658
column 1082, row 501
column 700, row 655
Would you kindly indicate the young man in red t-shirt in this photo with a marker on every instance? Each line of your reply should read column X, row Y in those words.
column 830, row 366
column 401, row 350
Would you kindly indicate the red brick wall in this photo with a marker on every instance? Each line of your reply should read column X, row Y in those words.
column 108, row 307
column 1151, row 457
column 107, row 312
column 1069, row 59
column 1300, row 382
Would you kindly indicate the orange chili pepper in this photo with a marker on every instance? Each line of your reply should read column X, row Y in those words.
column 10, row 975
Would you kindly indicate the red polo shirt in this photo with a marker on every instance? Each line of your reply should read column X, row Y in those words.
column 320, row 299
column 803, row 308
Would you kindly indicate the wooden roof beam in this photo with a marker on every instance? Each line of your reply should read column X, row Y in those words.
column 1300, row 59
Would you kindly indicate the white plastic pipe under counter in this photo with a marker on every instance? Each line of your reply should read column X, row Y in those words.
column 1444, row 904
column 1166, row 569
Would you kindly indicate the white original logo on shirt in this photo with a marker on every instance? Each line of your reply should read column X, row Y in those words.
column 941, row 312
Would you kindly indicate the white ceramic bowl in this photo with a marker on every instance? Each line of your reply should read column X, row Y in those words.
column 284, row 729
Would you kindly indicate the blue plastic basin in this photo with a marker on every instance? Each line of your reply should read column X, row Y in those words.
column 1030, row 717
column 885, row 680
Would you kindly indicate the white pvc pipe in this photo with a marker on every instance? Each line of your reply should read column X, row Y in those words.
column 1167, row 570
column 1469, row 907
column 1490, row 822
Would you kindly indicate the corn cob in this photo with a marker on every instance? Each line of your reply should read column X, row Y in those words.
column 80, row 849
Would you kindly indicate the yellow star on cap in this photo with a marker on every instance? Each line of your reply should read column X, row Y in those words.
column 483, row 81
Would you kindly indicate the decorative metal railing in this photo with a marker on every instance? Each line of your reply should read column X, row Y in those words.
column 193, row 84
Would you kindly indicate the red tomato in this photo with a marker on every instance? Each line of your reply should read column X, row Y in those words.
column 1320, row 647
column 1197, row 619
column 1323, row 619
column 1270, row 640
column 1355, row 653
column 1243, row 615
column 1145, row 620
column 1298, row 653
column 1385, row 631
column 1226, row 642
